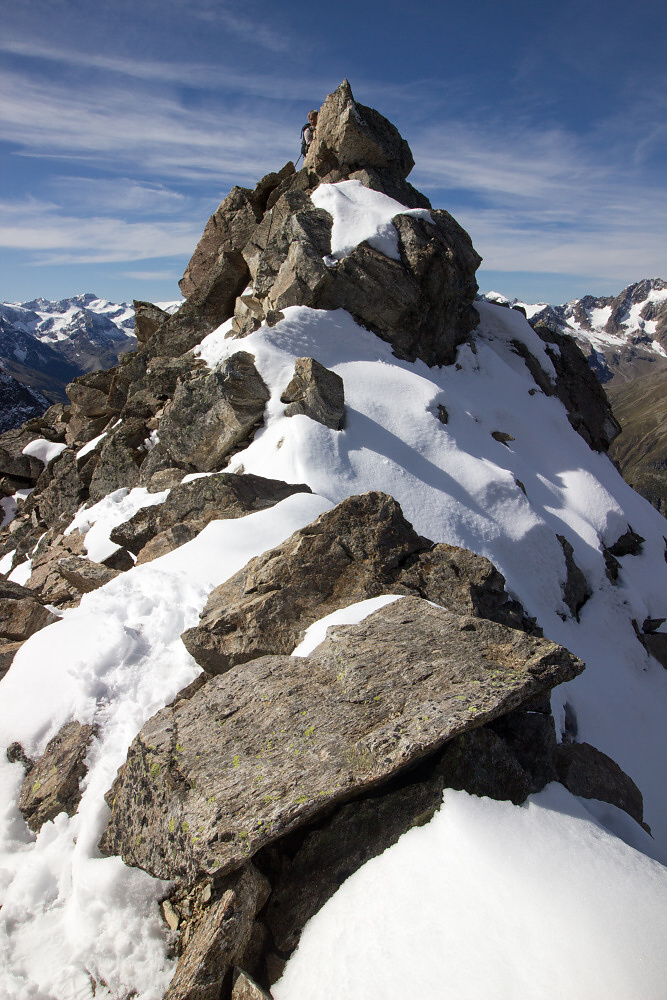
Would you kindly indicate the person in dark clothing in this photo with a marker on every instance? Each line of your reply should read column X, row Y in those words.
column 308, row 132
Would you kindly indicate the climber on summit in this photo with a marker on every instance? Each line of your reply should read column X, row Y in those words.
column 308, row 132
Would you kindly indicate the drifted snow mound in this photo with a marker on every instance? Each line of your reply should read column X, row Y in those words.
column 535, row 902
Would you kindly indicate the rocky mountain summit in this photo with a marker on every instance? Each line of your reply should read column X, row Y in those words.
column 261, row 547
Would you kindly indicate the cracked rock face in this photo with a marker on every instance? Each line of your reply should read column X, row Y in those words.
column 214, row 411
column 52, row 784
column 315, row 392
column 272, row 744
column 362, row 548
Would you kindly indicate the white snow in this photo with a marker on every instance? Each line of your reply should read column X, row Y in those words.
column 359, row 214
column 10, row 506
column 6, row 562
column 492, row 900
column 97, row 521
column 544, row 900
column 44, row 450
column 351, row 615
column 67, row 912
column 91, row 446
column 21, row 573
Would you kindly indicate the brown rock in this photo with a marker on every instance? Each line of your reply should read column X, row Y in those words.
column 316, row 392
column 271, row 745
column 191, row 506
column 84, row 574
column 362, row 548
column 586, row 771
column 52, row 785
column 246, row 988
column 19, row 619
column 350, row 135
column 219, row 939
column 209, row 305
column 147, row 318
column 230, row 227
column 213, row 411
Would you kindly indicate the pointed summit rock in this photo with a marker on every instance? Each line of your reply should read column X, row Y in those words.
column 270, row 248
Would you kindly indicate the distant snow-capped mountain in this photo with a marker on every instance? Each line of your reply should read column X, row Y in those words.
column 623, row 336
column 86, row 331
column 44, row 344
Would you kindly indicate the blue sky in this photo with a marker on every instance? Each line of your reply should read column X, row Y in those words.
column 541, row 127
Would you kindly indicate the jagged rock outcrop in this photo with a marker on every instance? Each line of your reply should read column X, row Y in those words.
column 52, row 783
column 271, row 744
column 230, row 227
column 212, row 412
column 588, row 772
column 362, row 548
column 588, row 408
column 422, row 303
column 220, row 937
column 576, row 590
column 315, row 392
column 191, row 506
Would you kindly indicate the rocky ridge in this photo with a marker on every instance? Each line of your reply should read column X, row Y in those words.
column 273, row 777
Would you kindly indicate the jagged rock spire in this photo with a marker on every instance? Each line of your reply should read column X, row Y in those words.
column 275, row 239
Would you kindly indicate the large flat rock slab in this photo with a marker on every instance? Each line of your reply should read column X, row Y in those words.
column 268, row 746
column 361, row 548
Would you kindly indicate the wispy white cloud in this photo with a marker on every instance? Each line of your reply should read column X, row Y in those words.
column 545, row 201
column 57, row 238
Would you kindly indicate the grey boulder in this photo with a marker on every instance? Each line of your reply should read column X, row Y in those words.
column 275, row 743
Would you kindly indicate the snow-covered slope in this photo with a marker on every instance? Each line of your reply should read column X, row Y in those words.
column 121, row 658
column 624, row 335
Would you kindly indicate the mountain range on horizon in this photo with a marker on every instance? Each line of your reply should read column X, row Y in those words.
column 44, row 344
column 333, row 645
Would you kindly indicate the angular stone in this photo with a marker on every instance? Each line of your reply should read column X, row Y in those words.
column 19, row 619
column 209, row 305
column 123, row 451
column 84, row 574
column 422, row 304
column 212, row 412
column 246, row 988
column 272, row 744
column 348, row 554
column 219, row 939
column 26, row 468
column 191, row 506
column 316, row 392
column 629, row 544
column 230, row 227
column 466, row 583
column 147, row 318
column 586, row 771
column 362, row 548
column 575, row 587
column 350, row 135
column 52, row 785
column 89, row 393
column 57, row 501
